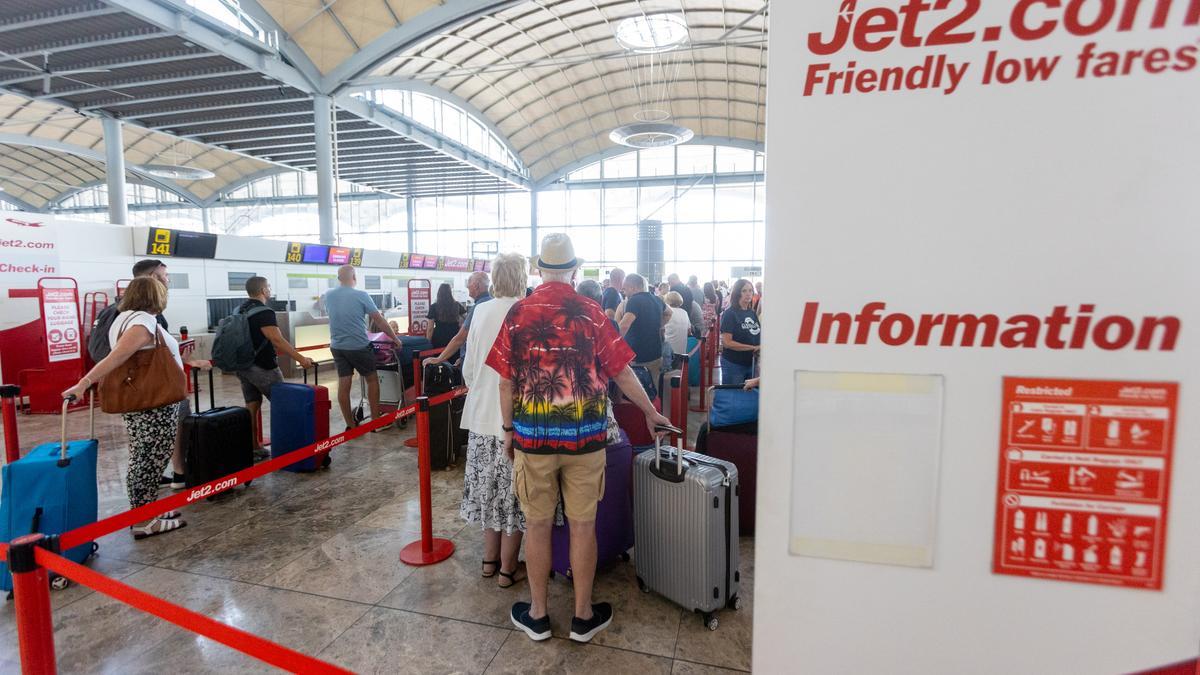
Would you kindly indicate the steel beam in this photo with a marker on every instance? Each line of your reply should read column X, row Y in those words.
column 106, row 40
column 227, row 120
column 193, row 26
column 36, row 19
column 197, row 94
column 210, row 108
column 130, row 84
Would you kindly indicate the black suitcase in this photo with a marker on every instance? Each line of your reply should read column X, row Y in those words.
column 216, row 442
column 447, row 440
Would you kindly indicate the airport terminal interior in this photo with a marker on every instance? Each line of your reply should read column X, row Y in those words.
column 470, row 336
column 410, row 142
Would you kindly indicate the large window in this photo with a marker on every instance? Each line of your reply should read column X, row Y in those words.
column 446, row 119
column 230, row 13
column 710, row 200
column 149, row 206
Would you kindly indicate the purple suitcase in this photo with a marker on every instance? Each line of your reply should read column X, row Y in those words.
column 614, row 515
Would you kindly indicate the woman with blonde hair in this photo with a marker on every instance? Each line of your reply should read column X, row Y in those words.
column 488, row 497
column 151, row 431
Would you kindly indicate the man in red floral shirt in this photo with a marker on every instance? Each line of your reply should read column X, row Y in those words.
column 555, row 353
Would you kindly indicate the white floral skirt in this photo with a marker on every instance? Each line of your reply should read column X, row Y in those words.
column 488, row 497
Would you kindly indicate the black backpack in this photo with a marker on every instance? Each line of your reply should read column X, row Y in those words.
column 98, row 346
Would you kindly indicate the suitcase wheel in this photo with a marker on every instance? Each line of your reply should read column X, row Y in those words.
column 625, row 556
column 59, row 583
column 710, row 620
column 735, row 603
column 642, row 586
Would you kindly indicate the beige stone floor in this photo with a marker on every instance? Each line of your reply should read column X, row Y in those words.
column 310, row 561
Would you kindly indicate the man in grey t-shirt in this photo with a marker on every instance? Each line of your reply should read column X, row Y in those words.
column 348, row 310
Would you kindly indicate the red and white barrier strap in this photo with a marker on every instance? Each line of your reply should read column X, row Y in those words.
column 251, row 645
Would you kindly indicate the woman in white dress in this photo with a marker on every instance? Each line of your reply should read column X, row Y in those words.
column 488, row 497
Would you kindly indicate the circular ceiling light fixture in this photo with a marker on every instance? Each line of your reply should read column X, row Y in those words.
column 653, row 33
column 177, row 172
column 651, row 135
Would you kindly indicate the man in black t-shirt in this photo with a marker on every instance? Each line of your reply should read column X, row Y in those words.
column 267, row 341
column 642, row 325
column 611, row 300
column 683, row 291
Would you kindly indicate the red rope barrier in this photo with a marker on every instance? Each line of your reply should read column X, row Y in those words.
column 217, row 486
column 235, row 638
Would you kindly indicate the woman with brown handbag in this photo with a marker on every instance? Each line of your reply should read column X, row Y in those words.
column 142, row 378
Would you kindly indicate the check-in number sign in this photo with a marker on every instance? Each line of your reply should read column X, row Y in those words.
column 295, row 253
column 160, row 242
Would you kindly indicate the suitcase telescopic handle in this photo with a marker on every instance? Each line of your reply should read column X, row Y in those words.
column 67, row 401
column 658, row 450
column 316, row 369
column 212, row 389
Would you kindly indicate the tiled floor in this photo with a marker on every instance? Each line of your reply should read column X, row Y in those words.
column 311, row 561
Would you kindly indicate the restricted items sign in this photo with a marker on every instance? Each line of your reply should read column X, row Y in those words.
column 1084, row 478
column 61, row 313
column 420, row 293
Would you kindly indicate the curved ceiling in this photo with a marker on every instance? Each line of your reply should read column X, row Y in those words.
column 551, row 76
column 47, row 150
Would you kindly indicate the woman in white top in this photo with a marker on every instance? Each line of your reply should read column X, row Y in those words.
column 676, row 330
column 488, row 497
column 151, row 432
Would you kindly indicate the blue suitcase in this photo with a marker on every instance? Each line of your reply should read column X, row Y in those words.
column 693, row 363
column 51, row 491
column 299, row 417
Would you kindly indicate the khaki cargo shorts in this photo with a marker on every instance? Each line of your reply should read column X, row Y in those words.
column 537, row 480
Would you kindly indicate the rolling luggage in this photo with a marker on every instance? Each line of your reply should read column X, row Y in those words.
column 693, row 363
column 216, row 442
column 300, row 417
column 413, row 345
column 614, row 515
column 447, row 438
column 739, row 445
column 51, row 490
column 633, row 422
column 686, row 528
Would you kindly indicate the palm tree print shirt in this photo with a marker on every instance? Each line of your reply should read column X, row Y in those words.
column 559, row 350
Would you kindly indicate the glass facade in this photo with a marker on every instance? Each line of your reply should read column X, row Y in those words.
column 710, row 200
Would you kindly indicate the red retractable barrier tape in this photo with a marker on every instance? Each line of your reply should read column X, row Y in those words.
column 428, row 550
column 251, row 645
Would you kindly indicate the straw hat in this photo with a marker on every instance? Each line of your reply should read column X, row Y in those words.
column 558, row 253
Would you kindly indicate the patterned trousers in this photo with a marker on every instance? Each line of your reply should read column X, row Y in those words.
column 151, row 442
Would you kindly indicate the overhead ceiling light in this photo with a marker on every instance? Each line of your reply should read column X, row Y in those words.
column 651, row 135
column 651, row 34
column 177, row 172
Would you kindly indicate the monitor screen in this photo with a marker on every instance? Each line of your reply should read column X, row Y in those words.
column 195, row 245
column 416, row 261
column 339, row 255
column 315, row 253
column 431, row 262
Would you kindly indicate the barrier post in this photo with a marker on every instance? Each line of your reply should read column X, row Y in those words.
column 685, row 400
column 8, row 401
column 428, row 550
column 31, row 593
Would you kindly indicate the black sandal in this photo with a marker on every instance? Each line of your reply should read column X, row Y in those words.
column 512, row 578
column 495, row 563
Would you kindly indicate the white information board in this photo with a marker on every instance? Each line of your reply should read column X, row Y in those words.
column 865, row 467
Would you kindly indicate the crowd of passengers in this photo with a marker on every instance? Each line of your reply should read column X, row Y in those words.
column 543, row 367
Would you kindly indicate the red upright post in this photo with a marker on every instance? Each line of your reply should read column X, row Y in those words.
column 428, row 550
column 704, row 375
column 685, row 399
column 31, row 593
column 417, row 372
column 8, row 401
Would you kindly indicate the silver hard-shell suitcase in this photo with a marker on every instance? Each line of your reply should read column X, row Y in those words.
column 686, row 529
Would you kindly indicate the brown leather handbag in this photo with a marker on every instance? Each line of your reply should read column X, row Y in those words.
column 150, row 378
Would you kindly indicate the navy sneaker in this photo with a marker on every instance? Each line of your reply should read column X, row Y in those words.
column 584, row 631
column 536, row 629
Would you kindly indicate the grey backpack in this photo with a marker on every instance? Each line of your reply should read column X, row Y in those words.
column 232, row 349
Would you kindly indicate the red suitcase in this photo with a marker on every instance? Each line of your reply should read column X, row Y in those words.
column 737, row 445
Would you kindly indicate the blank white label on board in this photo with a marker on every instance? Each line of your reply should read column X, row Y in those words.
column 865, row 462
